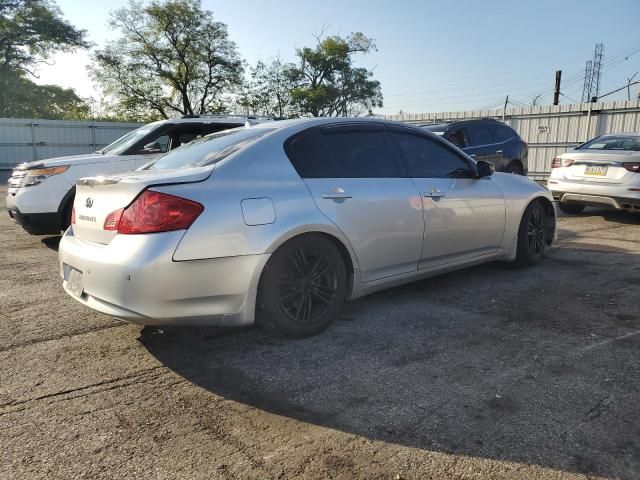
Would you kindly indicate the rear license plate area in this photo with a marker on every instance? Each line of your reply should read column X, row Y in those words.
column 596, row 170
column 75, row 281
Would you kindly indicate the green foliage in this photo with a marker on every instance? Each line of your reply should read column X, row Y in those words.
column 327, row 84
column 172, row 58
column 31, row 30
column 22, row 98
column 267, row 91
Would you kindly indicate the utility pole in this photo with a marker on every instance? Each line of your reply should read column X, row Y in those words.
column 504, row 110
column 629, row 80
column 556, row 91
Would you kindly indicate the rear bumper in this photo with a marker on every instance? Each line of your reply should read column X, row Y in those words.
column 617, row 196
column 36, row 223
column 134, row 278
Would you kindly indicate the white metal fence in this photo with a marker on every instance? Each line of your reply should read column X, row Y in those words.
column 550, row 130
column 27, row 140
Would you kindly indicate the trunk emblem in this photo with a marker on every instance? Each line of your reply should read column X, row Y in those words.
column 88, row 202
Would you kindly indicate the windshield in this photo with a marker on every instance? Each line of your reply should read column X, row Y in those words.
column 124, row 142
column 208, row 150
column 614, row 142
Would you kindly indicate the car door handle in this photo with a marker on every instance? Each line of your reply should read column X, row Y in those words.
column 336, row 196
column 435, row 194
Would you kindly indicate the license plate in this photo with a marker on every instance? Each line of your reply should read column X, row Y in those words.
column 596, row 170
column 75, row 283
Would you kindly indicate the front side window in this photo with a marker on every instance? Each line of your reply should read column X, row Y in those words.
column 208, row 150
column 426, row 158
column 478, row 135
column 615, row 142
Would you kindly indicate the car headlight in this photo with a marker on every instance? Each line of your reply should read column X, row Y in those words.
column 39, row 175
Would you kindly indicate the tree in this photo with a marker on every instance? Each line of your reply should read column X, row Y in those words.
column 30, row 31
column 26, row 99
column 172, row 58
column 327, row 83
column 268, row 91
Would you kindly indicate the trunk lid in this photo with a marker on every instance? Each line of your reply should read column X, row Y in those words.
column 600, row 166
column 97, row 197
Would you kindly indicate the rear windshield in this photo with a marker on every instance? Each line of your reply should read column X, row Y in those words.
column 208, row 150
column 618, row 142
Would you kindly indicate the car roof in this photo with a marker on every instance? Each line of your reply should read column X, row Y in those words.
column 621, row 134
column 446, row 125
column 239, row 119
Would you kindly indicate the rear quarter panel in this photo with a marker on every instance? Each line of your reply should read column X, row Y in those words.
column 261, row 171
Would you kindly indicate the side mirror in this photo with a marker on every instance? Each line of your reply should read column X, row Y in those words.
column 153, row 147
column 485, row 169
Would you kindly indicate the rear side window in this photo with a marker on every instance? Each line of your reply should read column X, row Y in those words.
column 427, row 158
column 502, row 133
column 310, row 156
column 365, row 153
column 344, row 152
column 479, row 134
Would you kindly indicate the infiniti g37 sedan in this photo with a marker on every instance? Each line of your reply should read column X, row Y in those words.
column 281, row 223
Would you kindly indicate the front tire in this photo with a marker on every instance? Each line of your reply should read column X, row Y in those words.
column 532, row 235
column 571, row 208
column 303, row 287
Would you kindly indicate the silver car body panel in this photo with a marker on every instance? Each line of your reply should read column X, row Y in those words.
column 209, row 274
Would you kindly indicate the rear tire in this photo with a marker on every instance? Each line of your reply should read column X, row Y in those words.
column 571, row 208
column 303, row 287
column 532, row 235
column 65, row 218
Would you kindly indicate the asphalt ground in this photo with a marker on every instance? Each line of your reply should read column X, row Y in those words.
column 491, row 372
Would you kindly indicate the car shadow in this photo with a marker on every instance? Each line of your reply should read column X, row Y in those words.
column 610, row 215
column 487, row 362
column 52, row 242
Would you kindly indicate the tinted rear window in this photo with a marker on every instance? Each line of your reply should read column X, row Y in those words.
column 362, row 153
column 502, row 133
column 344, row 152
column 208, row 150
column 479, row 134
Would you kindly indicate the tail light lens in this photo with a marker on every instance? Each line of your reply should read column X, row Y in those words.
column 154, row 212
column 73, row 215
column 561, row 162
column 632, row 167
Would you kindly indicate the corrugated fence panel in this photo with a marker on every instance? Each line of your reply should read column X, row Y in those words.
column 550, row 130
column 24, row 140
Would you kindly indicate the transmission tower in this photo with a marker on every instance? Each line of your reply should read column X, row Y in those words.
column 593, row 74
column 586, row 88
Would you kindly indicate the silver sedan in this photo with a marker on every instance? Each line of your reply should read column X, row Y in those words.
column 281, row 223
column 603, row 172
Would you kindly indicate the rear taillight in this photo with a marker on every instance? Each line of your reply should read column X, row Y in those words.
column 154, row 212
column 632, row 167
column 73, row 215
column 561, row 162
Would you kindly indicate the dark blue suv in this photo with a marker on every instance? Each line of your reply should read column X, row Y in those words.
column 486, row 139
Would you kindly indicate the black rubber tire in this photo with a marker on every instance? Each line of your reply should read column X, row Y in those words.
column 281, row 274
column 571, row 208
column 533, row 224
column 515, row 169
column 65, row 218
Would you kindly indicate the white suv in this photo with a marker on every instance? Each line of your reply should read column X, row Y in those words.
column 41, row 193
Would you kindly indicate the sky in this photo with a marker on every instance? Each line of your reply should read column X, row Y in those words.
column 432, row 56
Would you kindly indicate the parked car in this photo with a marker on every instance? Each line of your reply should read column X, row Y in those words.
column 41, row 193
column 489, row 140
column 604, row 171
column 283, row 222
